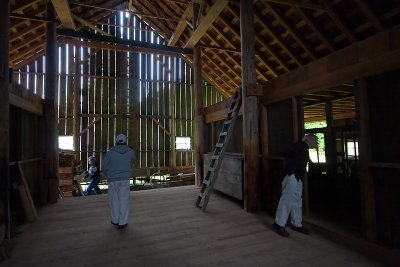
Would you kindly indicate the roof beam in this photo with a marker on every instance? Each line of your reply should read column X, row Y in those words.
column 339, row 21
column 206, row 22
column 370, row 15
column 295, row 3
column 299, row 38
column 187, row 15
column 64, row 13
column 27, row 17
column 155, row 48
column 90, row 25
column 114, row 47
column 377, row 54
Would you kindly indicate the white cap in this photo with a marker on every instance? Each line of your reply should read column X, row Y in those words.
column 121, row 139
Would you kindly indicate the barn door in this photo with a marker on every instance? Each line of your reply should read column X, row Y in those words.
column 281, row 125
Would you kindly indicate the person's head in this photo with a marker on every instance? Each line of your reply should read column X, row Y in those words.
column 121, row 139
column 311, row 140
column 91, row 160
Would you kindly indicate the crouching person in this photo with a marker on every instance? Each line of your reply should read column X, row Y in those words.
column 94, row 177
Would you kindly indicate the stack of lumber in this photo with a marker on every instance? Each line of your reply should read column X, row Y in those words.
column 180, row 179
column 67, row 163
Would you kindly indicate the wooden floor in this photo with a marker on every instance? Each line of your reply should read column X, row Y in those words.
column 165, row 229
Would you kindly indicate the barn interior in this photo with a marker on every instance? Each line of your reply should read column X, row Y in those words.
column 164, row 73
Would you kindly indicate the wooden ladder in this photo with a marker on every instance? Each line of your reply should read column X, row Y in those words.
column 216, row 159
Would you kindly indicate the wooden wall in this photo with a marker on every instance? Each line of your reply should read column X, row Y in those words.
column 383, row 101
column 26, row 133
column 123, row 92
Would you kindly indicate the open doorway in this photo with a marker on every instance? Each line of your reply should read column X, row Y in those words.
column 333, row 182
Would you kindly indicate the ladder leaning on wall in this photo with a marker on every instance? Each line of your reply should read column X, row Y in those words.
column 211, row 176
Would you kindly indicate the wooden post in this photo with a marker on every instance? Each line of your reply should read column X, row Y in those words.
column 365, row 173
column 250, row 110
column 330, row 139
column 173, row 121
column 75, row 125
column 50, row 104
column 4, row 119
column 198, row 107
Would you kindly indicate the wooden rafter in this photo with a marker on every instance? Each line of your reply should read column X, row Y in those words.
column 161, row 126
column 24, row 4
column 316, row 29
column 370, row 15
column 64, row 13
column 299, row 38
column 279, row 39
column 236, row 30
column 28, row 17
column 115, row 47
column 90, row 25
column 187, row 15
column 295, row 3
column 91, row 125
column 339, row 21
column 206, row 22
column 156, row 48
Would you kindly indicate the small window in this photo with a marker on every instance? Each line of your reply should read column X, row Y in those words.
column 183, row 143
column 66, row 142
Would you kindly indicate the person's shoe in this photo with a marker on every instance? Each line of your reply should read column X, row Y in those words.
column 300, row 229
column 113, row 223
column 122, row 226
column 280, row 230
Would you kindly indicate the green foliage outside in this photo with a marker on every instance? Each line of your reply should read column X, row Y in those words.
column 321, row 140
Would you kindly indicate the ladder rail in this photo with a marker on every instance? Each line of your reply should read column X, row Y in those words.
column 219, row 152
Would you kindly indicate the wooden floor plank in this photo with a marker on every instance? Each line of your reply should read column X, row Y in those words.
column 166, row 229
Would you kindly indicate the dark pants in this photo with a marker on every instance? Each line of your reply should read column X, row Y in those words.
column 93, row 184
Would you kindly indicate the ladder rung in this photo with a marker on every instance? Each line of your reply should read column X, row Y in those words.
column 201, row 195
column 215, row 157
column 228, row 122
column 206, row 182
column 223, row 134
column 219, row 145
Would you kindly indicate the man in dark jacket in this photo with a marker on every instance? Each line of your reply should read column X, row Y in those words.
column 94, row 177
column 290, row 203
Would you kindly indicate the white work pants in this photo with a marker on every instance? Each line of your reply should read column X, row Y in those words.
column 290, row 202
column 118, row 200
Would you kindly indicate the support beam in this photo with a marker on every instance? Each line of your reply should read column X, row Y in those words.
column 50, row 107
column 298, row 4
column 27, row 17
column 156, row 48
column 368, row 208
column 34, row 107
column 90, row 25
column 250, row 110
column 162, row 127
column 198, row 108
column 89, row 126
column 115, row 47
column 377, row 54
column 206, row 22
column 64, row 13
column 187, row 15
column 4, row 117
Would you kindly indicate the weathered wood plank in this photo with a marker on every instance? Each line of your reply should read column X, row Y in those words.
column 250, row 110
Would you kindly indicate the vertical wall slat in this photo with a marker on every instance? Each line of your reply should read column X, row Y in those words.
column 70, row 90
column 62, row 90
